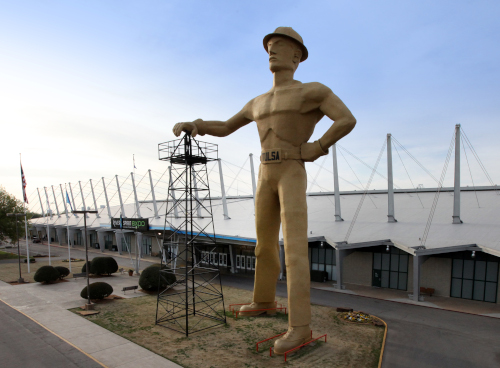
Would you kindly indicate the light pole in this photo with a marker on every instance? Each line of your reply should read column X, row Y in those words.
column 88, row 306
column 16, row 215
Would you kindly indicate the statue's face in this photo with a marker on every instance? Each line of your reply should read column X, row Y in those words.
column 282, row 54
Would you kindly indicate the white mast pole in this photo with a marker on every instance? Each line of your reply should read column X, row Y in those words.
column 67, row 223
column 48, row 228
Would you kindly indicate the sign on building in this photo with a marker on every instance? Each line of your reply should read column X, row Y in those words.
column 137, row 224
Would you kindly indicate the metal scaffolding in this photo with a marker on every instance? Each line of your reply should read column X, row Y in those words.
column 195, row 301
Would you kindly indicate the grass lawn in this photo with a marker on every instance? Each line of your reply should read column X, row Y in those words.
column 7, row 255
column 348, row 345
column 10, row 271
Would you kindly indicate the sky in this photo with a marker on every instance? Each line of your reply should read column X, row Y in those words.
column 85, row 85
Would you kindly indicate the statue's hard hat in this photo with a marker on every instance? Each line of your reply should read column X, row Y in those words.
column 289, row 33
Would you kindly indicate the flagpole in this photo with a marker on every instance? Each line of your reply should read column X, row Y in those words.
column 25, row 198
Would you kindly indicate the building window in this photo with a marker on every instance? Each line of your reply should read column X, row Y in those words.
column 223, row 259
column 249, row 262
column 390, row 269
column 474, row 278
column 238, row 261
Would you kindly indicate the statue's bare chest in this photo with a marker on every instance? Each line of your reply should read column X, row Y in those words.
column 287, row 114
column 278, row 102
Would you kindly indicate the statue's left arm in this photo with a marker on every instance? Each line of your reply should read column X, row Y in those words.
column 336, row 110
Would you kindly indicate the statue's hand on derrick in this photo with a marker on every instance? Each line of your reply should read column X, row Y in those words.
column 188, row 127
column 311, row 151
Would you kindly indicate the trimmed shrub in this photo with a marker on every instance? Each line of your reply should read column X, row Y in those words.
column 150, row 278
column 103, row 266
column 98, row 290
column 84, row 268
column 63, row 271
column 46, row 274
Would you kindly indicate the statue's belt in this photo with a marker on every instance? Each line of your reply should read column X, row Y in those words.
column 276, row 155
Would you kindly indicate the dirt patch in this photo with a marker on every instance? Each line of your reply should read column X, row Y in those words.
column 233, row 345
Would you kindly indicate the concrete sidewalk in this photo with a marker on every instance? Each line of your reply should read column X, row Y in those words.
column 438, row 302
column 48, row 304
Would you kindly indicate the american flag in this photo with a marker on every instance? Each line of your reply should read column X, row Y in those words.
column 23, row 178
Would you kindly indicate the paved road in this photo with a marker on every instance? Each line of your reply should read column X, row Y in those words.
column 418, row 337
column 24, row 343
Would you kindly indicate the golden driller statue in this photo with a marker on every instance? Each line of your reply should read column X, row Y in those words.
column 285, row 117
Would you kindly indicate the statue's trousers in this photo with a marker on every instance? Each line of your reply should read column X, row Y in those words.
column 281, row 199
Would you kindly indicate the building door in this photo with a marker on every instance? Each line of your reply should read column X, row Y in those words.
column 146, row 245
column 108, row 241
column 322, row 258
column 474, row 278
column 93, row 241
column 126, row 239
column 390, row 269
column 377, row 278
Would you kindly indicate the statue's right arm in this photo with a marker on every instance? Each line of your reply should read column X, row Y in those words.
column 214, row 127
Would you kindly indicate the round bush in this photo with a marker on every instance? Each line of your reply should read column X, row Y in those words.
column 46, row 274
column 103, row 266
column 84, row 268
column 63, row 271
column 98, row 290
column 150, row 278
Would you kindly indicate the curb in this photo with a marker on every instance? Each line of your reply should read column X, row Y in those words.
column 383, row 342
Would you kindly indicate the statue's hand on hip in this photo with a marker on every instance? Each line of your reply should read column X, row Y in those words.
column 188, row 127
column 311, row 151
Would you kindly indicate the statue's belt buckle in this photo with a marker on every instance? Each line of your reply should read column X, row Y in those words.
column 271, row 156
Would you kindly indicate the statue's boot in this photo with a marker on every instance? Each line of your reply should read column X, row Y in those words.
column 250, row 309
column 295, row 336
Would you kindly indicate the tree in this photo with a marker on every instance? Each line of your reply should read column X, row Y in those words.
column 9, row 204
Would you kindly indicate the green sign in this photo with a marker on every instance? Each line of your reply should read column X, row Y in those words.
column 137, row 224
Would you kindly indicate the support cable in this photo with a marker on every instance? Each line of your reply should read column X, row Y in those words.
column 436, row 196
column 365, row 192
column 478, row 159
column 340, row 177
column 239, row 171
column 407, row 173
column 470, row 172
column 360, row 183
column 242, row 167
column 364, row 163
column 317, row 174
column 414, row 159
